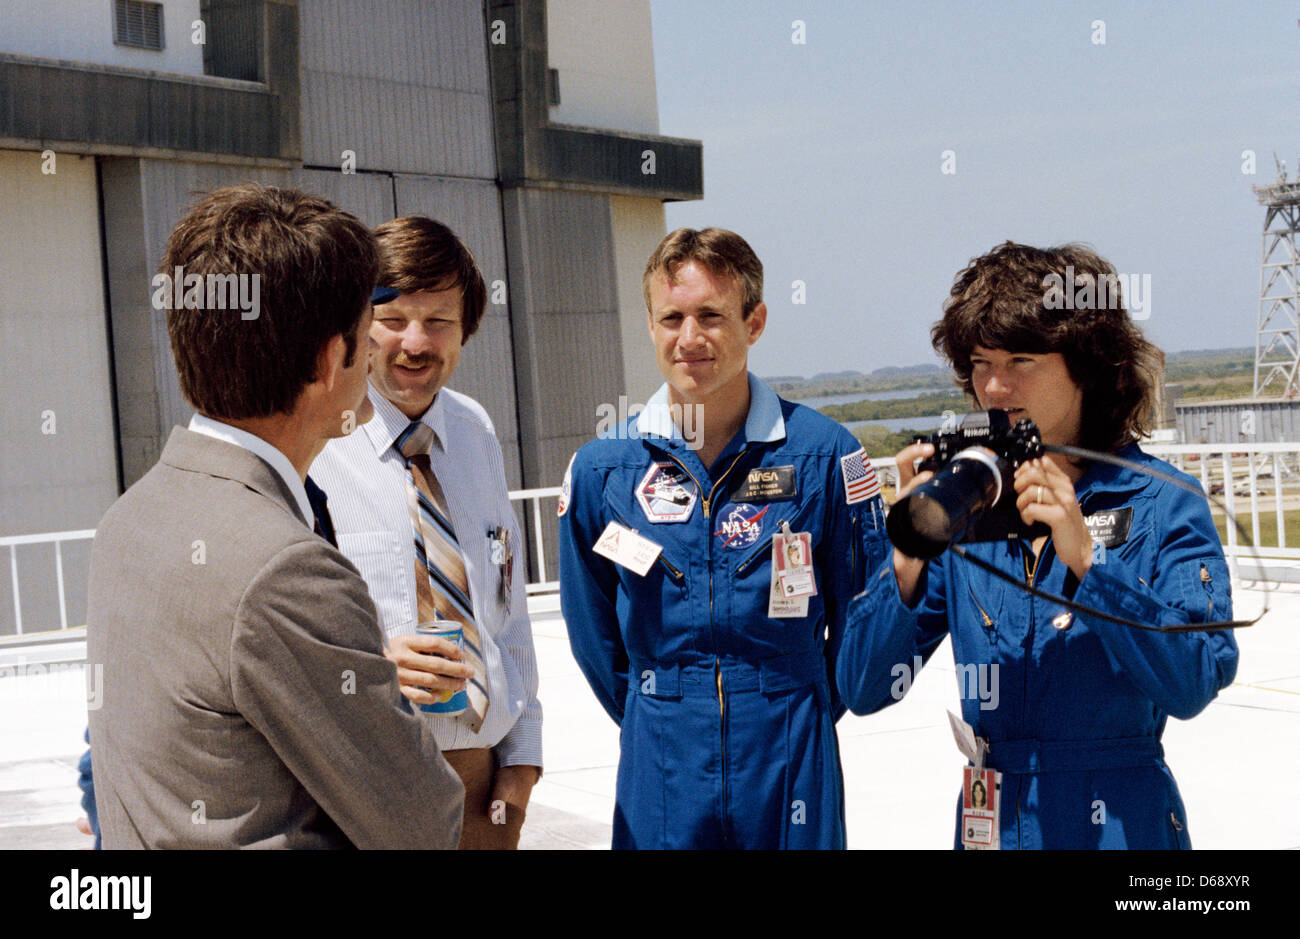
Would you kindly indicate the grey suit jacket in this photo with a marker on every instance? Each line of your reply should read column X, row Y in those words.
column 246, row 699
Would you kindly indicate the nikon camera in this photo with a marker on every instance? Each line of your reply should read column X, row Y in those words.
column 971, row 497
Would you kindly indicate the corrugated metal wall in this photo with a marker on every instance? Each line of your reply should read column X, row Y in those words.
column 402, row 83
column 472, row 209
column 143, row 201
column 58, row 469
column 1262, row 421
column 566, row 298
column 368, row 196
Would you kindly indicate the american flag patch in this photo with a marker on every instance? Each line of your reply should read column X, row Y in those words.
column 860, row 482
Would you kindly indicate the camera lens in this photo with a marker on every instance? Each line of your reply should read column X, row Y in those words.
column 926, row 521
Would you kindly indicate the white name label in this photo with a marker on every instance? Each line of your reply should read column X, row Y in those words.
column 625, row 547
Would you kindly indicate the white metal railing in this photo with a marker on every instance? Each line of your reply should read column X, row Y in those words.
column 12, row 542
column 1238, row 467
column 535, row 496
column 57, row 538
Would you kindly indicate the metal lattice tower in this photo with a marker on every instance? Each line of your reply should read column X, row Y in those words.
column 1277, row 340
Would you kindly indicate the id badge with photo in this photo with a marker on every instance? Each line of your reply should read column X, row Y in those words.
column 792, row 562
column 981, row 802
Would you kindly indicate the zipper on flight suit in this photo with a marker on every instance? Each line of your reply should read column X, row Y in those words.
column 712, row 492
column 1207, row 581
column 668, row 565
column 755, row 556
column 988, row 620
column 722, row 739
column 1030, row 574
column 853, row 544
column 717, row 663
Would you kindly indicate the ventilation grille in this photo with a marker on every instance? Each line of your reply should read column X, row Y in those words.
column 138, row 24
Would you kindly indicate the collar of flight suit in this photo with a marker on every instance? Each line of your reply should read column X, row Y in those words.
column 389, row 422
column 1106, row 477
column 763, row 424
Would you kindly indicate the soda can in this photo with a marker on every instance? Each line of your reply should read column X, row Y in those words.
column 450, row 703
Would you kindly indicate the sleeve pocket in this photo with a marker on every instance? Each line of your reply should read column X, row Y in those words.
column 1208, row 590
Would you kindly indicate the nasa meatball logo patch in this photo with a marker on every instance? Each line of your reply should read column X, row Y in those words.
column 666, row 493
column 741, row 525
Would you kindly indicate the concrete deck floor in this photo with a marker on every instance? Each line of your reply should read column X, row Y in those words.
column 1237, row 763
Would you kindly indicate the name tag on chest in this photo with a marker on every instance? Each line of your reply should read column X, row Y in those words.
column 1110, row 527
column 767, row 484
column 626, row 548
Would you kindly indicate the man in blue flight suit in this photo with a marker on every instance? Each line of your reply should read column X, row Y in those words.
column 709, row 548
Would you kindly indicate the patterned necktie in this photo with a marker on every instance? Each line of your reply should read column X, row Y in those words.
column 441, row 585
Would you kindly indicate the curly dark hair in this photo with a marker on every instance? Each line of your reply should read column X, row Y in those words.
column 1008, row 299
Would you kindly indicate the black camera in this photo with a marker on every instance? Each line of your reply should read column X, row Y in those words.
column 971, row 497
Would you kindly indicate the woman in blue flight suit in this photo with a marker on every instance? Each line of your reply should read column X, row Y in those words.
column 1072, row 706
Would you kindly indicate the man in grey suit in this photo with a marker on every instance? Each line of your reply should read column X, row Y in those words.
column 247, row 700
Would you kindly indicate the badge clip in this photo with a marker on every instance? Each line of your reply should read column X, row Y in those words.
column 792, row 562
column 504, row 557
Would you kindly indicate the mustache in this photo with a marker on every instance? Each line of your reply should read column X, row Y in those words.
column 420, row 361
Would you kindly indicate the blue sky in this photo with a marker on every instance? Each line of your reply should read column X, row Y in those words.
column 827, row 156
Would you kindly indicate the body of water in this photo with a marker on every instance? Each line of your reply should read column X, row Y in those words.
column 928, row 423
column 815, row 403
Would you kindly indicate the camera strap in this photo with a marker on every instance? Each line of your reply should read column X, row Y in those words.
column 996, row 571
column 1033, row 591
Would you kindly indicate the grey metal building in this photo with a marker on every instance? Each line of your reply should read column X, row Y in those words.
column 113, row 114
column 1242, row 420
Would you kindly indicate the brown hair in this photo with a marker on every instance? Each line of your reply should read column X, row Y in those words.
column 314, row 266
column 1013, row 299
column 721, row 251
column 418, row 253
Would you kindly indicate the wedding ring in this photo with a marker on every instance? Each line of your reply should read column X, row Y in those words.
column 1039, row 497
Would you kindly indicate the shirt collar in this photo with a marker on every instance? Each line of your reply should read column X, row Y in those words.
column 254, row 444
column 389, row 422
column 763, row 424
column 1106, row 477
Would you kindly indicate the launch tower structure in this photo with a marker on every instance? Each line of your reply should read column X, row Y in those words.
column 1277, row 339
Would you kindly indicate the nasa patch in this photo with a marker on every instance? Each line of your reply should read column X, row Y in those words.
column 742, row 525
column 566, row 489
column 666, row 493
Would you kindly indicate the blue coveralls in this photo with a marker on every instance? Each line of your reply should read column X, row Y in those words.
column 727, row 716
column 1080, row 710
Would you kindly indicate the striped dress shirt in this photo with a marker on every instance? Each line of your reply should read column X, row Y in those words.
column 365, row 479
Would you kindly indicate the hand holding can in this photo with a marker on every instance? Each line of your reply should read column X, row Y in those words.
column 430, row 667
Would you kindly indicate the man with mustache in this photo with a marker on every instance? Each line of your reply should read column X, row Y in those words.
column 419, row 502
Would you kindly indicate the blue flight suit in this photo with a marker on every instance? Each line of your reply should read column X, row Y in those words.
column 727, row 716
column 1074, row 711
